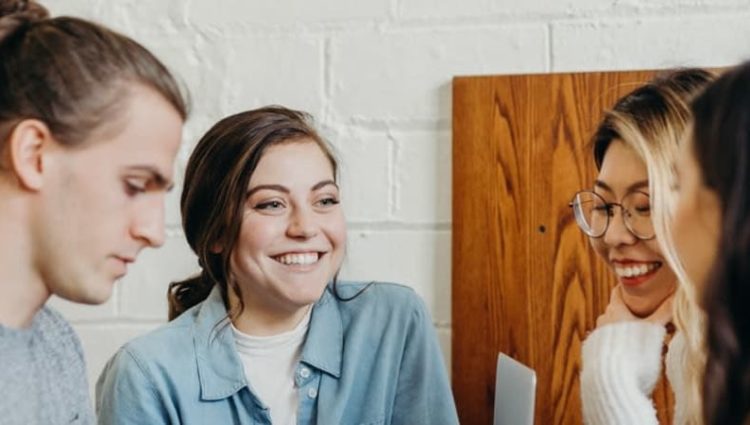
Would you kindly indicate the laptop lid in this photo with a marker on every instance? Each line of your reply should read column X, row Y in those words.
column 515, row 390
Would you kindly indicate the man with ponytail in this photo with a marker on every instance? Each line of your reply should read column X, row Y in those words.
column 90, row 123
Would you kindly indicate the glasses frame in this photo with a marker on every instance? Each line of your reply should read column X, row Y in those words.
column 624, row 212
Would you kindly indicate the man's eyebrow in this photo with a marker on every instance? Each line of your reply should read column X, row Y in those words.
column 324, row 183
column 159, row 179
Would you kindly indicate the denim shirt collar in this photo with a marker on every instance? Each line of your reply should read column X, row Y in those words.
column 324, row 344
column 220, row 369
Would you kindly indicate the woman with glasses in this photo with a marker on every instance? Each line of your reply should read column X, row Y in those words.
column 626, row 215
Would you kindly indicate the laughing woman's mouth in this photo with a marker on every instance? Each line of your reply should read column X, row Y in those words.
column 635, row 273
column 302, row 258
column 636, row 270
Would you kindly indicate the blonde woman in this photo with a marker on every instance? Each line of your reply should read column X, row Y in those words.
column 626, row 216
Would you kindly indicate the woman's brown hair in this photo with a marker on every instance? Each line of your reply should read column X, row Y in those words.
column 721, row 145
column 214, row 194
column 70, row 73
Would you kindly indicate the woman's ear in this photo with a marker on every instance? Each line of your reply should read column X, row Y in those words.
column 26, row 148
column 216, row 248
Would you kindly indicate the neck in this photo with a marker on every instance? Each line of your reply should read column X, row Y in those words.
column 22, row 290
column 260, row 319
column 19, row 300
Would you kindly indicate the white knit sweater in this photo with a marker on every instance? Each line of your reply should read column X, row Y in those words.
column 621, row 365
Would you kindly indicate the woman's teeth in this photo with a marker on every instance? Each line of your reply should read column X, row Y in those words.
column 301, row 259
column 636, row 271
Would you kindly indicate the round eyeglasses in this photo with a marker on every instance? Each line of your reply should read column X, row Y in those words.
column 593, row 214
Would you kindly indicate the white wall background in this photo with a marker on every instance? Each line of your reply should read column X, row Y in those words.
column 377, row 75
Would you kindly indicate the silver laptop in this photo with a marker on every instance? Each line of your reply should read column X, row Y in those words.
column 515, row 390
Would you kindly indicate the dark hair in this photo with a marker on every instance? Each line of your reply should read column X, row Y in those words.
column 653, row 110
column 721, row 144
column 70, row 73
column 213, row 198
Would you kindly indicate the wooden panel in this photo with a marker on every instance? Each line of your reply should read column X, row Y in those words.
column 525, row 280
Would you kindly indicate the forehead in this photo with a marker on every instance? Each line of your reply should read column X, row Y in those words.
column 622, row 166
column 297, row 161
column 146, row 134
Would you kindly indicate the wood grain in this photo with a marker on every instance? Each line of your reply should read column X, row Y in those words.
column 525, row 280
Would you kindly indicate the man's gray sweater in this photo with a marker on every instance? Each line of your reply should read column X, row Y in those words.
column 43, row 374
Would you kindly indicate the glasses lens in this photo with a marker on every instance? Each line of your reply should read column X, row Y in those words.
column 591, row 212
column 638, row 218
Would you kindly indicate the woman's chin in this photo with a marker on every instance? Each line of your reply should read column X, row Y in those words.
column 644, row 297
column 643, row 305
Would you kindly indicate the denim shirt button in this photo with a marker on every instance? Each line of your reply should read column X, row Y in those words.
column 312, row 393
column 304, row 372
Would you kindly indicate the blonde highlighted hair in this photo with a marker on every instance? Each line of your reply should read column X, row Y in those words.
column 653, row 119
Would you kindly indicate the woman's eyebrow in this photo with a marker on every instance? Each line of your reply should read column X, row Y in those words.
column 276, row 187
column 638, row 185
column 635, row 186
column 601, row 184
column 284, row 189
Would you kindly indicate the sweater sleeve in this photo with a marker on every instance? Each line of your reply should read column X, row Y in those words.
column 621, row 365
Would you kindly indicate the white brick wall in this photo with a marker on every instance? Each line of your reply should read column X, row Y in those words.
column 403, row 74
column 377, row 76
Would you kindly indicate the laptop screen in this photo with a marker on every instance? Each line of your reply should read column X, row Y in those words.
column 515, row 390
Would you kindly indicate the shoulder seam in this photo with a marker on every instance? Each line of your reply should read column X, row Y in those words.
column 143, row 370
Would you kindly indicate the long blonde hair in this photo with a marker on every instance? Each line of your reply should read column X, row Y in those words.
column 652, row 120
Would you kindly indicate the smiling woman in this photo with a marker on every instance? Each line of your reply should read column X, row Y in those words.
column 291, row 240
column 626, row 217
column 628, row 240
column 266, row 334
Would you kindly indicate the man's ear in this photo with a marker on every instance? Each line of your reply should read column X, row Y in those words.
column 26, row 145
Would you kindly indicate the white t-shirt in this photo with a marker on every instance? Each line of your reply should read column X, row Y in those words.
column 270, row 363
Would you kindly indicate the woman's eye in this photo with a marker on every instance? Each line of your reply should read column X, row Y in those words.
column 270, row 205
column 603, row 209
column 643, row 209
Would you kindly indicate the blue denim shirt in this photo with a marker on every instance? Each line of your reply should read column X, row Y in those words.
column 372, row 360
